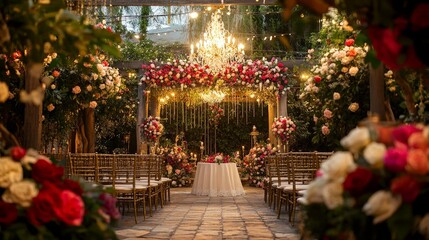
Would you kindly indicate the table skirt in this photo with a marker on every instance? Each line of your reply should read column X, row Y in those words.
column 214, row 179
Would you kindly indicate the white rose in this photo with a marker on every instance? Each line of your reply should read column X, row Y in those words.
column 374, row 154
column 100, row 67
column 338, row 166
column 333, row 194
column 21, row 193
column 4, row 92
column 336, row 96
column 102, row 86
column 356, row 139
column 314, row 193
column 424, row 226
column 381, row 205
column 353, row 71
column 354, row 107
column 10, row 172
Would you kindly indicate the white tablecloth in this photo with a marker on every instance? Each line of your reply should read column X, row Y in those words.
column 214, row 179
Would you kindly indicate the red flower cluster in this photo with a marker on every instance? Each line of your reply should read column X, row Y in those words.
column 215, row 114
column 152, row 128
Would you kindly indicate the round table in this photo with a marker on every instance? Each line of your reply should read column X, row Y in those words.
column 213, row 179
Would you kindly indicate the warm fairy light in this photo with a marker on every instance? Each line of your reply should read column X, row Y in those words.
column 213, row 96
column 193, row 15
column 217, row 47
column 252, row 95
column 209, row 8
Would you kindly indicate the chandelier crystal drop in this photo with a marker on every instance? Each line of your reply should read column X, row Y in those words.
column 218, row 48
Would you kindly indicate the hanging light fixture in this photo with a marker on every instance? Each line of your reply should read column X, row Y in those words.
column 218, row 48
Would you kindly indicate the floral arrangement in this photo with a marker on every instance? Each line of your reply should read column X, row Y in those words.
column 339, row 77
column 378, row 188
column 283, row 127
column 152, row 129
column 254, row 163
column 38, row 203
column 177, row 166
column 218, row 158
column 94, row 81
column 215, row 114
column 180, row 74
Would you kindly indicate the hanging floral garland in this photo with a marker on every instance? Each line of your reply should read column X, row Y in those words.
column 260, row 75
column 215, row 114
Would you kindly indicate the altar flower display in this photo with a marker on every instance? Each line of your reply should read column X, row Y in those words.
column 378, row 187
column 177, row 167
column 152, row 129
column 283, row 127
column 254, row 163
column 36, row 202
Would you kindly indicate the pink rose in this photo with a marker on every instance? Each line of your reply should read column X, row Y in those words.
column 325, row 130
column 70, row 209
column 417, row 162
column 395, row 159
column 327, row 114
column 177, row 171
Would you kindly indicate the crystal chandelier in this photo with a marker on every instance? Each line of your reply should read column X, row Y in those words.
column 217, row 48
column 212, row 97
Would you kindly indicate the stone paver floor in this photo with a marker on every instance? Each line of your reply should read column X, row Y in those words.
column 200, row 217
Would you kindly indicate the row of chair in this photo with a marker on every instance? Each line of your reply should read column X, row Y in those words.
column 136, row 179
column 288, row 175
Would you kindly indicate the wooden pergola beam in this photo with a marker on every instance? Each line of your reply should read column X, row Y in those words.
column 182, row 2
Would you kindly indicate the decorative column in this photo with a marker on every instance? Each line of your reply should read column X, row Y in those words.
column 282, row 111
column 142, row 113
column 271, row 116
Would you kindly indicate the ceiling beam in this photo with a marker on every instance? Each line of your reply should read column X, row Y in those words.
column 182, row 2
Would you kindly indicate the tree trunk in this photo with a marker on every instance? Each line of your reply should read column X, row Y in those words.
column 85, row 132
column 407, row 92
column 32, row 130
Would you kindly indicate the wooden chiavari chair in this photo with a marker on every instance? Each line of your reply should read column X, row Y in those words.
column 83, row 165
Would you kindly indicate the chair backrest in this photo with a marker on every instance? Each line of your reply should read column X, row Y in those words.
column 105, row 168
column 303, row 167
column 270, row 168
column 83, row 165
column 282, row 168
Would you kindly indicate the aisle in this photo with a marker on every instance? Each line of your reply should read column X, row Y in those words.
column 195, row 217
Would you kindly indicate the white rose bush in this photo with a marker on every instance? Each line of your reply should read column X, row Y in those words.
column 377, row 187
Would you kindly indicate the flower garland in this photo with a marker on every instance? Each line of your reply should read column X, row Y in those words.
column 215, row 114
column 259, row 75
column 283, row 127
column 37, row 202
column 378, row 187
column 152, row 129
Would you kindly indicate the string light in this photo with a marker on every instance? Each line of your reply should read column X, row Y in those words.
column 193, row 15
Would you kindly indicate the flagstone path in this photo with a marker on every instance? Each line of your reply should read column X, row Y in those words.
column 201, row 217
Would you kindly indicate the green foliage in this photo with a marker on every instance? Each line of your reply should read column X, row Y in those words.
column 146, row 50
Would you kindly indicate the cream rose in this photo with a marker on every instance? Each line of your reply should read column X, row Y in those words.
column 21, row 193
column 354, row 107
column 314, row 193
column 4, row 92
column 374, row 154
column 424, row 226
column 76, row 90
column 381, row 205
column 338, row 166
column 336, row 96
column 10, row 172
column 356, row 139
column 333, row 194
column 353, row 71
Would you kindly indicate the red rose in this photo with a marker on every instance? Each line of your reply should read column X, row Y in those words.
column 72, row 186
column 357, row 181
column 43, row 205
column 43, row 171
column 70, row 209
column 349, row 42
column 8, row 212
column 56, row 73
column 389, row 50
column 419, row 18
column 403, row 133
column 406, row 186
column 105, row 63
column 17, row 153
column 317, row 79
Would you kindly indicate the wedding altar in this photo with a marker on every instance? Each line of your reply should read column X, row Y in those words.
column 214, row 180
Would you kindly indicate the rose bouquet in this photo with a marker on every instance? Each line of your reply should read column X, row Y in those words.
column 152, row 129
column 218, row 158
column 177, row 167
column 283, row 127
column 38, row 203
column 378, row 188
column 215, row 114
